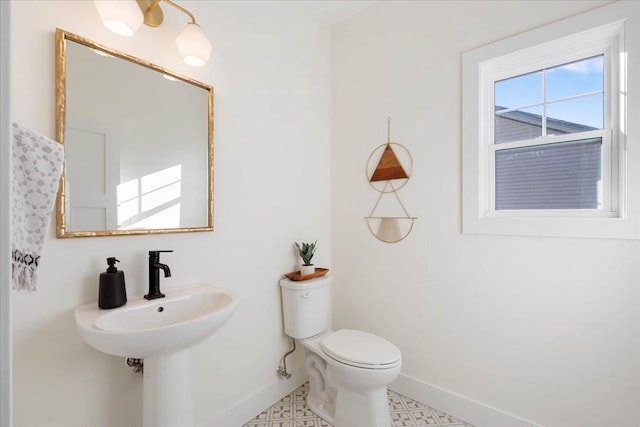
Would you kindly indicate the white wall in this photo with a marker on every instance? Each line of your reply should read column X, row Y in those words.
column 546, row 329
column 270, row 72
column 5, row 220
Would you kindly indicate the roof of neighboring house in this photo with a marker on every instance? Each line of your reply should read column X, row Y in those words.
column 561, row 126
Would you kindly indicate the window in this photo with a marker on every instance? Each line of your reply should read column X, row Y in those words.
column 544, row 137
column 568, row 98
column 531, row 166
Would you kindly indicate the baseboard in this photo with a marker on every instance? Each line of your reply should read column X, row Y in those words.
column 246, row 409
column 460, row 407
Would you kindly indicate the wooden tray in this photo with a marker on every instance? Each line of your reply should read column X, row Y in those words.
column 296, row 276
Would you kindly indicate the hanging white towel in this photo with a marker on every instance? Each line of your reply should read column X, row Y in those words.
column 37, row 164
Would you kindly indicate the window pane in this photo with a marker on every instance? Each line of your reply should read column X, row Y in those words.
column 518, row 91
column 575, row 78
column 518, row 125
column 552, row 176
column 575, row 115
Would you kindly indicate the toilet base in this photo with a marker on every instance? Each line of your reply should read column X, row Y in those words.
column 361, row 407
column 353, row 408
column 321, row 408
column 345, row 396
column 321, row 398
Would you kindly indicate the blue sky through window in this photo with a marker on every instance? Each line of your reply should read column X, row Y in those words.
column 565, row 81
column 574, row 79
column 519, row 91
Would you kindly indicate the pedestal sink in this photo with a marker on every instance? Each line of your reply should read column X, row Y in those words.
column 162, row 332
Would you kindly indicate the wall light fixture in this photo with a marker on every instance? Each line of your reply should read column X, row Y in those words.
column 124, row 17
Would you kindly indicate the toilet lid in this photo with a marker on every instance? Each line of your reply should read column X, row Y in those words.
column 360, row 349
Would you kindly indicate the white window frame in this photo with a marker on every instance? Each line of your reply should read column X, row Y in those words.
column 610, row 31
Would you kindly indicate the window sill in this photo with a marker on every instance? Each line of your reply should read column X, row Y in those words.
column 585, row 227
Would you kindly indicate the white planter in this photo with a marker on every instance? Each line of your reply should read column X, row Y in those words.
column 306, row 270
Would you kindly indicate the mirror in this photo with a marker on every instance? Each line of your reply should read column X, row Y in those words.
column 138, row 144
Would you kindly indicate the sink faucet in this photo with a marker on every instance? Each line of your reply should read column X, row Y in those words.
column 154, row 275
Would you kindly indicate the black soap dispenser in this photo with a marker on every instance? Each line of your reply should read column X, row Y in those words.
column 112, row 290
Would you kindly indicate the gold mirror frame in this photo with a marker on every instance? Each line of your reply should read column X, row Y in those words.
column 61, row 227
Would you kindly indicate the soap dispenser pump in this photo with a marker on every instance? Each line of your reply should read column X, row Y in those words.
column 112, row 291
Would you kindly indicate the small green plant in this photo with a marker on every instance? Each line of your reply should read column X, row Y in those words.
column 306, row 251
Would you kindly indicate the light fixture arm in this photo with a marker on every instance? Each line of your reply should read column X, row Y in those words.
column 151, row 8
column 153, row 15
column 177, row 6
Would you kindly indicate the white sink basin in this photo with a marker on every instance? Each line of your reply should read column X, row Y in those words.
column 140, row 328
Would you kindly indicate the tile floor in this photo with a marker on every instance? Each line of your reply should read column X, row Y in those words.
column 292, row 411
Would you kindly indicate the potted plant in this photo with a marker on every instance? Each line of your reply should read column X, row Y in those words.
column 306, row 251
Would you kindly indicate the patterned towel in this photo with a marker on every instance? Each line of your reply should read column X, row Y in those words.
column 37, row 164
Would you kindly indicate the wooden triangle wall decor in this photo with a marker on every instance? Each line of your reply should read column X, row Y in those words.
column 388, row 167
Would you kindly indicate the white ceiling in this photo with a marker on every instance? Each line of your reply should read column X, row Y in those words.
column 333, row 11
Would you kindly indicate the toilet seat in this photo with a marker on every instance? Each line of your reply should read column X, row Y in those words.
column 361, row 349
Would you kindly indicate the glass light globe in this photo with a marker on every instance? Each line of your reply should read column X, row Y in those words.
column 123, row 17
column 193, row 45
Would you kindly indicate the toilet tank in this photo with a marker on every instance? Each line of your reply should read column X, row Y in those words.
column 306, row 306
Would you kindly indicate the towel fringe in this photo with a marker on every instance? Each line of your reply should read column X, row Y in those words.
column 24, row 277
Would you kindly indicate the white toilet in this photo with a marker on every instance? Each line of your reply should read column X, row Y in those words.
column 348, row 370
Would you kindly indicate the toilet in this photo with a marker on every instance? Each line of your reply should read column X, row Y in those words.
column 348, row 370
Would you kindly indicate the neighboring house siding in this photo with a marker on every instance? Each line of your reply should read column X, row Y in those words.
column 556, row 176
